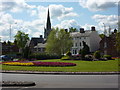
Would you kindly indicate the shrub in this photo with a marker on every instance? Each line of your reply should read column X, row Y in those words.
column 43, row 56
column 66, row 57
column 88, row 57
column 97, row 55
column 69, row 53
column 107, row 56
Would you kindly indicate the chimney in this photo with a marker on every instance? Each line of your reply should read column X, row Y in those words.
column 93, row 28
column 66, row 30
column 82, row 30
column 115, row 30
column 41, row 36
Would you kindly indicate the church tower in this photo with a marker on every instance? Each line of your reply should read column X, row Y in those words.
column 48, row 26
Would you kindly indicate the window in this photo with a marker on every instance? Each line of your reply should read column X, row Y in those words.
column 80, row 43
column 76, row 44
column 75, row 51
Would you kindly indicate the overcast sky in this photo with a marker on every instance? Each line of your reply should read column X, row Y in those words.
column 31, row 17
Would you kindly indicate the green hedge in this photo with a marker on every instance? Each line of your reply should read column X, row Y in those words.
column 107, row 56
column 66, row 57
column 43, row 56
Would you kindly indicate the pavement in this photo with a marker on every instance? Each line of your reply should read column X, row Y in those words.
column 16, row 83
column 61, row 73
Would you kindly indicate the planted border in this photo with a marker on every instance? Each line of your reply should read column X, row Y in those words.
column 38, row 63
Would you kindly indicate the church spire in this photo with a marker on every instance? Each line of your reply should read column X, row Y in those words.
column 48, row 26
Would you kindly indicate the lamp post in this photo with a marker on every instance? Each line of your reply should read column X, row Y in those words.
column 105, row 43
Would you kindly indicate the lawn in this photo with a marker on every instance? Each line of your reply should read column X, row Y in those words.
column 81, row 66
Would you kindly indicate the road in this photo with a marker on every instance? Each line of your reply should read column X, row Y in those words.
column 65, row 81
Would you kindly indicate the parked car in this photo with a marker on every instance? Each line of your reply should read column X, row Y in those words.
column 5, row 58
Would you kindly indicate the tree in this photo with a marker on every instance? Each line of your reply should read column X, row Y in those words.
column 59, row 42
column 21, row 39
column 102, row 36
column 85, row 50
column 71, row 29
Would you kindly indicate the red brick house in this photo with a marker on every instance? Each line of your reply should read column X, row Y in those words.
column 108, row 45
column 8, row 48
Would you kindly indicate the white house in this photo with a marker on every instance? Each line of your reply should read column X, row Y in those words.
column 90, row 37
column 39, row 48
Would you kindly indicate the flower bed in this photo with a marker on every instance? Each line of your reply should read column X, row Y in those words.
column 38, row 63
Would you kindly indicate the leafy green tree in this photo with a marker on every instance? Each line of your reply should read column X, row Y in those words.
column 65, row 41
column 27, row 52
column 59, row 42
column 71, row 29
column 102, row 35
column 21, row 39
column 52, row 42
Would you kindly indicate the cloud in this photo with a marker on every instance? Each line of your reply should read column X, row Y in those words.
column 33, row 28
column 36, row 27
column 98, row 5
column 111, row 20
column 68, row 23
column 108, row 20
column 87, row 26
column 61, row 12
column 33, row 13
column 15, row 5
column 58, row 12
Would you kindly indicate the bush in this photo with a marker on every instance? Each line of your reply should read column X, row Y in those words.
column 107, row 56
column 66, row 57
column 97, row 55
column 88, row 57
column 69, row 53
column 43, row 56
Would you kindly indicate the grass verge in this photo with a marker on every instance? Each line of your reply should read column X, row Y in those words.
column 82, row 66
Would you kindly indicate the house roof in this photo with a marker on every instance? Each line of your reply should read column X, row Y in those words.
column 35, row 41
column 40, row 45
column 85, row 34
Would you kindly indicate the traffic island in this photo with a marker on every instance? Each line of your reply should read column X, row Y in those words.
column 17, row 83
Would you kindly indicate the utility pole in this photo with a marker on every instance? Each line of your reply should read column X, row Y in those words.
column 105, row 43
column 0, row 48
column 11, row 38
column 10, row 32
column 109, row 32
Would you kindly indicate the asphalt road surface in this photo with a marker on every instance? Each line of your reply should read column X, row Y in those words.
column 65, row 81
